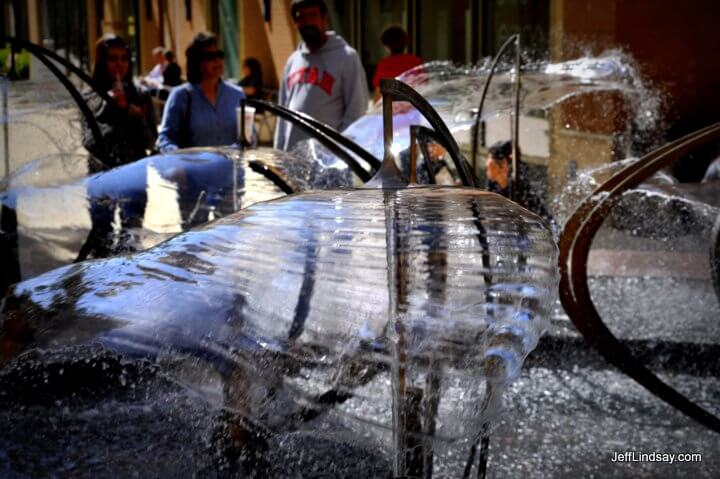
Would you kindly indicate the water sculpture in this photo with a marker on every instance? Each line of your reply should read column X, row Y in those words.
column 380, row 323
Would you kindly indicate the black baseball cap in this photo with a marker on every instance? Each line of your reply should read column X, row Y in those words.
column 296, row 4
column 501, row 149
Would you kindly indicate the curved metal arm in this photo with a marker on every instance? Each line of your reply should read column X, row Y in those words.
column 39, row 50
column 419, row 135
column 273, row 174
column 575, row 243
column 395, row 90
column 476, row 127
column 338, row 137
column 326, row 135
column 43, row 54
column 715, row 257
column 424, row 135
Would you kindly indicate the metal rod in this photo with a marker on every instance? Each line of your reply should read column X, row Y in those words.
column 425, row 135
column 715, row 257
column 413, row 156
column 419, row 132
column 515, row 127
column 302, row 307
column 387, row 116
column 242, row 140
column 273, row 174
column 6, row 127
column 335, row 135
column 388, row 170
column 236, row 206
column 74, row 69
column 483, row 438
column 399, row 91
column 44, row 55
column 388, row 175
column 320, row 134
column 484, row 454
column 486, row 86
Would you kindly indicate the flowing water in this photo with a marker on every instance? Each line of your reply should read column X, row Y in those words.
column 341, row 333
column 284, row 316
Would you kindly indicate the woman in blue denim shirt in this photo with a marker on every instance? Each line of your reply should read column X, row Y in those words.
column 201, row 112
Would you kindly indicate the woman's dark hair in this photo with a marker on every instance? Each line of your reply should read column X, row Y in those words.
column 100, row 74
column 169, row 55
column 194, row 54
column 253, row 65
column 395, row 38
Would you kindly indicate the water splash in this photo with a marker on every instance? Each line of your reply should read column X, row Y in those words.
column 288, row 300
column 454, row 91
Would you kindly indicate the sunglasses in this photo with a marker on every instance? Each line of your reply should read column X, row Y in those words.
column 210, row 56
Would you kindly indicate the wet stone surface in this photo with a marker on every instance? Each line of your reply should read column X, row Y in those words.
column 83, row 412
column 561, row 419
column 572, row 422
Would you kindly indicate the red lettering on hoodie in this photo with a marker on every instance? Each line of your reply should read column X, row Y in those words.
column 311, row 76
column 295, row 77
column 327, row 82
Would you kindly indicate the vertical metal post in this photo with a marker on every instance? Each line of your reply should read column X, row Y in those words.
column 515, row 126
column 6, row 133
column 242, row 141
column 398, row 366
column 387, row 129
column 412, row 177
column 388, row 175
column 235, row 184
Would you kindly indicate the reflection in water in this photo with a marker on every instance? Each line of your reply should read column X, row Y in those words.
column 291, row 301
column 140, row 204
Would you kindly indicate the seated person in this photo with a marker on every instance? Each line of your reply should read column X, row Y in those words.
column 202, row 111
column 251, row 81
column 153, row 80
column 499, row 175
column 126, row 123
column 172, row 75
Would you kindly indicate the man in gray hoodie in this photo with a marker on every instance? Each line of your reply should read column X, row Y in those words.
column 323, row 77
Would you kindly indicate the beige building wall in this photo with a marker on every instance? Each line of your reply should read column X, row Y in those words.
column 270, row 42
column 255, row 36
column 33, row 14
column 581, row 129
column 280, row 34
column 150, row 33
column 180, row 30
